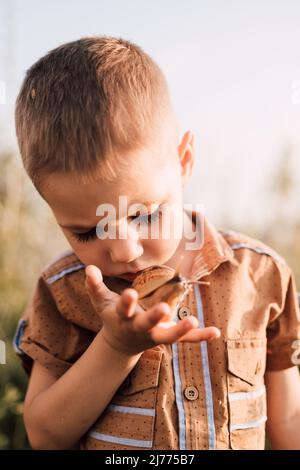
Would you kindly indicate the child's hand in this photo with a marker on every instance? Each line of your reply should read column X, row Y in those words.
column 129, row 328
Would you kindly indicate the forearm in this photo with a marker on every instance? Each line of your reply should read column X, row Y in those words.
column 283, row 398
column 284, row 435
column 58, row 417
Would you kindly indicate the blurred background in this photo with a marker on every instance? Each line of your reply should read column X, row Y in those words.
column 234, row 72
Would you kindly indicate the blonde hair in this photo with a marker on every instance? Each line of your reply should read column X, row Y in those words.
column 85, row 104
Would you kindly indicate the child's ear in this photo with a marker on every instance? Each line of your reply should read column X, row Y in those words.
column 186, row 152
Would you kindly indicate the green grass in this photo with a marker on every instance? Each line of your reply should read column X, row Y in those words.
column 13, row 383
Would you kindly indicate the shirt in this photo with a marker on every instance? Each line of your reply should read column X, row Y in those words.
column 206, row 395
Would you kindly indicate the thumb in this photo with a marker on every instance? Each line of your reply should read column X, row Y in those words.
column 98, row 292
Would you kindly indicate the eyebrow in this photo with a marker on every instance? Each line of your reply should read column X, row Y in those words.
column 81, row 227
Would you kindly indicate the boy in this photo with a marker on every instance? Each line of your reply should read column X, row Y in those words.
column 94, row 122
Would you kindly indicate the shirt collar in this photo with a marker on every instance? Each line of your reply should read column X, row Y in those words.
column 213, row 249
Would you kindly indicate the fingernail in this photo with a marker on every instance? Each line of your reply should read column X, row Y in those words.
column 213, row 337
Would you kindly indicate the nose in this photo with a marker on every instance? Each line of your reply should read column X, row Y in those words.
column 126, row 250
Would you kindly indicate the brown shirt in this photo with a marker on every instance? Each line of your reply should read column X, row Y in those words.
column 207, row 395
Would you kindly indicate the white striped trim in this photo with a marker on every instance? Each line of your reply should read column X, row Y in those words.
column 132, row 410
column 120, row 440
column 259, row 250
column 178, row 396
column 62, row 273
column 247, row 395
column 250, row 424
column 206, row 375
column 18, row 335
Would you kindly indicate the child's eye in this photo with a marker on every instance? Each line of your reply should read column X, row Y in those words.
column 86, row 236
column 92, row 234
column 148, row 219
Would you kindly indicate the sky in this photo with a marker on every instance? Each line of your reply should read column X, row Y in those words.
column 233, row 70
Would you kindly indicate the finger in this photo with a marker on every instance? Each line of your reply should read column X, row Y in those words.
column 127, row 303
column 149, row 318
column 170, row 335
column 201, row 334
column 97, row 290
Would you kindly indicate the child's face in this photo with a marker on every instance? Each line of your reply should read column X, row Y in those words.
column 145, row 180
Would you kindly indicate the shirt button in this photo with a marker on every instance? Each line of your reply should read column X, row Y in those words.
column 191, row 393
column 184, row 312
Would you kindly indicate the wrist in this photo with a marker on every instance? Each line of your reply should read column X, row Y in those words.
column 116, row 350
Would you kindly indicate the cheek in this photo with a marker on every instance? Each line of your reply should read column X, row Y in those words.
column 88, row 253
column 160, row 251
column 164, row 246
column 171, row 225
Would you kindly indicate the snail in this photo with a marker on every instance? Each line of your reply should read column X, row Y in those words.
column 160, row 283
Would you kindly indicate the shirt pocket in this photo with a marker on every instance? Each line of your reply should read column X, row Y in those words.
column 128, row 421
column 246, row 393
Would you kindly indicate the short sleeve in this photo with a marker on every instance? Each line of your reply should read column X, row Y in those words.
column 283, row 331
column 45, row 336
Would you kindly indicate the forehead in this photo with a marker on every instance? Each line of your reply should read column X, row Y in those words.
column 143, row 179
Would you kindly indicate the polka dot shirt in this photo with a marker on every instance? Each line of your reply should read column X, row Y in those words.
column 207, row 395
